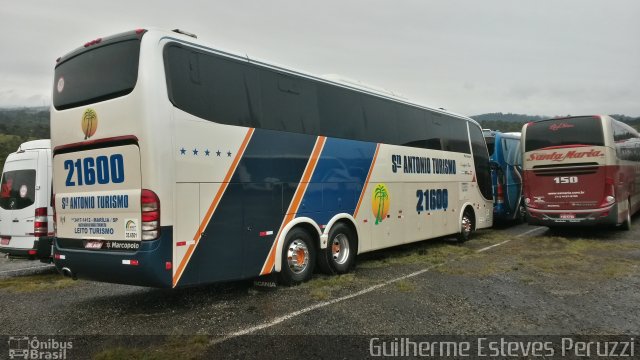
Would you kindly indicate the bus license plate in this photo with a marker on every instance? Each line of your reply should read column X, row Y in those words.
column 567, row 216
column 93, row 244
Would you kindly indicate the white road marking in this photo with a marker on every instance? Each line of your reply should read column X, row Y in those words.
column 290, row 316
column 506, row 241
column 28, row 268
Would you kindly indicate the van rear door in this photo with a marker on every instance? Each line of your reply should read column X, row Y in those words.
column 18, row 195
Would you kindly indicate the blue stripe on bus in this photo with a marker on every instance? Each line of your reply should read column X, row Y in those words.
column 338, row 179
column 256, row 199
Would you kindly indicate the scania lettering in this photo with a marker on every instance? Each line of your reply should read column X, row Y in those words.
column 581, row 171
column 181, row 164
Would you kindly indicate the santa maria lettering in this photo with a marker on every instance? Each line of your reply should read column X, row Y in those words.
column 96, row 202
column 422, row 165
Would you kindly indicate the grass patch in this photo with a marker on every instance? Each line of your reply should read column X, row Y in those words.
column 542, row 256
column 33, row 283
column 176, row 348
column 322, row 288
column 426, row 254
column 405, row 286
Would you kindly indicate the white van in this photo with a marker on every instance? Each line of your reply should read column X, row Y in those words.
column 25, row 199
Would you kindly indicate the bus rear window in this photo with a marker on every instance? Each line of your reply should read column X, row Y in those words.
column 103, row 73
column 564, row 132
column 18, row 189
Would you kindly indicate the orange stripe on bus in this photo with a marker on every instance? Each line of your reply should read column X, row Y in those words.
column 366, row 182
column 295, row 202
column 212, row 207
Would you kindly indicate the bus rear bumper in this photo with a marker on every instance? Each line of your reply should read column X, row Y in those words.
column 150, row 265
column 605, row 216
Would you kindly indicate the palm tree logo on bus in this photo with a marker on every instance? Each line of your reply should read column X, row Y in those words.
column 380, row 202
column 89, row 123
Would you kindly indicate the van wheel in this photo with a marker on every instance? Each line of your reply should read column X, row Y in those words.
column 298, row 257
column 466, row 226
column 626, row 225
column 340, row 254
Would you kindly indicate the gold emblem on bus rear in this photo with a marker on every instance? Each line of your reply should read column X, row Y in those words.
column 89, row 123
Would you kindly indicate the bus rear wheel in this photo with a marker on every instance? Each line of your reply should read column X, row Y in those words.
column 298, row 257
column 339, row 256
column 467, row 224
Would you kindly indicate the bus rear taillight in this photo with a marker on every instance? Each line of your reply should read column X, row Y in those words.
column 40, row 226
column 609, row 192
column 150, row 206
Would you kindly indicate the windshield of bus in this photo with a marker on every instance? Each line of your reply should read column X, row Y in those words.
column 103, row 73
column 585, row 131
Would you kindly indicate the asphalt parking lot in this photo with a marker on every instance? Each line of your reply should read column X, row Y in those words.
column 516, row 280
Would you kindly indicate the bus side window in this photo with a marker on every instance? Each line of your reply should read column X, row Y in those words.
column 437, row 132
column 458, row 139
column 340, row 113
column 379, row 120
column 412, row 128
column 212, row 87
column 288, row 103
column 481, row 161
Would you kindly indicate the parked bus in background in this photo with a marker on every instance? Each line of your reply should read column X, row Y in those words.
column 581, row 170
column 505, row 155
column 179, row 164
column 25, row 199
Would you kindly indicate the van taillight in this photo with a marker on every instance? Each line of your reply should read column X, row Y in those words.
column 150, row 206
column 499, row 194
column 40, row 226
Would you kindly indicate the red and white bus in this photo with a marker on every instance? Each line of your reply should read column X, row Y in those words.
column 581, row 170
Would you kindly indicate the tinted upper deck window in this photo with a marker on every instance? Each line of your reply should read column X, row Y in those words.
column 103, row 73
column 564, row 132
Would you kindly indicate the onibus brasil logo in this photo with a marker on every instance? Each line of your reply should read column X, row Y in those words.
column 380, row 201
column 26, row 347
column 89, row 123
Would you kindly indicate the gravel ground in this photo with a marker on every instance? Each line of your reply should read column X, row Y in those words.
column 535, row 282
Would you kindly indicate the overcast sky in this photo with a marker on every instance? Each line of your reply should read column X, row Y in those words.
column 545, row 57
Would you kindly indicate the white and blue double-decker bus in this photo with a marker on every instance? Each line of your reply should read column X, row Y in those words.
column 176, row 164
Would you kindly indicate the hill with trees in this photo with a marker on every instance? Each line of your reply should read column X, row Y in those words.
column 20, row 125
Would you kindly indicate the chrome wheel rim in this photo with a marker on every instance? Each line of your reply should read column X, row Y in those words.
column 298, row 256
column 466, row 225
column 340, row 249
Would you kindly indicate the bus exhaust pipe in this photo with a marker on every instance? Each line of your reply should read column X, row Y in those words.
column 68, row 273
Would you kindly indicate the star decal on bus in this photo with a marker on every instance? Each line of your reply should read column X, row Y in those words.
column 207, row 152
column 195, row 152
column 183, row 151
